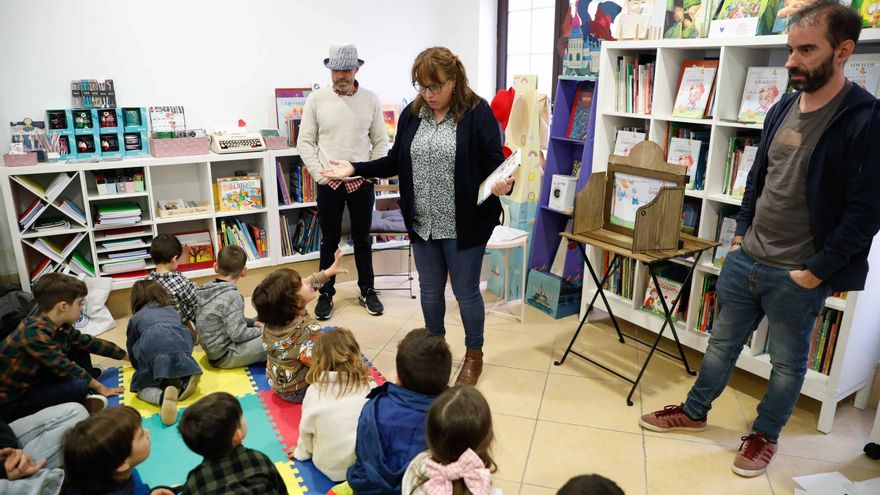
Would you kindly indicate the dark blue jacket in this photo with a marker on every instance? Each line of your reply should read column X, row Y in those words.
column 843, row 188
column 477, row 155
column 390, row 433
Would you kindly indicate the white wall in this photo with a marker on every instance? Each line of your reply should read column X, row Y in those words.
column 222, row 59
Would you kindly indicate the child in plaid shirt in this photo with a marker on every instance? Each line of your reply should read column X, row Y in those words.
column 289, row 331
column 166, row 251
column 45, row 361
column 214, row 428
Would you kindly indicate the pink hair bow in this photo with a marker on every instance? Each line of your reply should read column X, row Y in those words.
column 469, row 468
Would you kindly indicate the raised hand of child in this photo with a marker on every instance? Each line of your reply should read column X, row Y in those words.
column 335, row 269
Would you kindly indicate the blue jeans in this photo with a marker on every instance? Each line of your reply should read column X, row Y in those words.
column 746, row 291
column 437, row 259
column 41, row 433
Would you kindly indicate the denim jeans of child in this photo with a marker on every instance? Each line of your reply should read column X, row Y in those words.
column 747, row 291
column 435, row 261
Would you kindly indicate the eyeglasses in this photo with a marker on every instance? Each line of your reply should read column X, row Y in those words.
column 433, row 89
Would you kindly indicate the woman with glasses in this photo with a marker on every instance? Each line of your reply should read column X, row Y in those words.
column 447, row 143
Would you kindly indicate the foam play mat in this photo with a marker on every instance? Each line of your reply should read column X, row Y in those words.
column 273, row 426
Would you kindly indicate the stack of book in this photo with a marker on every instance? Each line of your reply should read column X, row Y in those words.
column 72, row 210
column 124, row 261
column 706, row 316
column 299, row 232
column 118, row 214
column 50, row 225
column 303, row 189
column 635, row 82
column 824, row 341
column 135, row 242
column 58, row 184
column 250, row 237
column 52, row 250
column 33, row 211
column 79, row 264
column 621, row 281
column 741, row 154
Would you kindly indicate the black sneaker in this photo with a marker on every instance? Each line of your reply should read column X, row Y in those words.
column 370, row 300
column 324, row 308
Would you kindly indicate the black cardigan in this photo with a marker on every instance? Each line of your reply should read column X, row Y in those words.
column 477, row 155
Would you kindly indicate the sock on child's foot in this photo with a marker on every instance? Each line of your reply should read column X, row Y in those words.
column 151, row 395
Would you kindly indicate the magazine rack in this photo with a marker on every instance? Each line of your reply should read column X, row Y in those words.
column 601, row 220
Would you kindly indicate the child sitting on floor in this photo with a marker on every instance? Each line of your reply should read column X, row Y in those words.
column 165, row 250
column 459, row 434
column 289, row 331
column 160, row 348
column 339, row 382
column 214, row 428
column 101, row 453
column 391, row 427
column 45, row 361
column 592, row 484
column 228, row 338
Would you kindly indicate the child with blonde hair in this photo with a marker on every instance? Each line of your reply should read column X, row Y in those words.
column 459, row 434
column 339, row 382
column 289, row 332
column 160, row 348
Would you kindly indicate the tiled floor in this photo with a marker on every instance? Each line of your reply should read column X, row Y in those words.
column 554, row 422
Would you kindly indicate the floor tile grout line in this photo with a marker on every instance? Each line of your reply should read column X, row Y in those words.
column 534, row 432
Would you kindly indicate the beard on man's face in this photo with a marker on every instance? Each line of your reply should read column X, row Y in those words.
column 812, row 80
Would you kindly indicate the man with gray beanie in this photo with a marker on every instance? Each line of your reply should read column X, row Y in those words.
column 344, row 122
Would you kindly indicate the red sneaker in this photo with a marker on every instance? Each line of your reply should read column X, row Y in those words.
column 670, row 418
column 754, row 455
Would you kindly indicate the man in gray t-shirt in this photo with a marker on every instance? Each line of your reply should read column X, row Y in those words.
column 780, row 234
column 808, row 216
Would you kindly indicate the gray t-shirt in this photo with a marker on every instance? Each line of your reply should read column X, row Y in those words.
column 780, row 234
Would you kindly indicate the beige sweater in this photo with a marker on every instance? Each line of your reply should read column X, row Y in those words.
column 337, row 127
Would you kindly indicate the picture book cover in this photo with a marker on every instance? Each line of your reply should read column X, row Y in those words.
column 690, row 215
column 864, row 70
column 764, row 87
column 685, row 152
column 630, row 193
column 693, row 92
column 725, row 236
column 764, row 10
column 389, row 115
column 289, row 104
column 670, row 288
column 626, row 140
column 686, row 19
column 580, row 113
column 635, row 19
column 869, row 11
column 251, row 193
column 746, row 160
column 198, row 250
column 229, row 195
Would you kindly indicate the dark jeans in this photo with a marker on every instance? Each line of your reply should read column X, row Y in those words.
column 746, row 291
column 52, row 390
column 435, row 261
column 331, row 204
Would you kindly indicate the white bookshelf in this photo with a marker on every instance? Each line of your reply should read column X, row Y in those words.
column 189, row 177
column 858, row 342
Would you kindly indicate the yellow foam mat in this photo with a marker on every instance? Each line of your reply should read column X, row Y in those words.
column 291, row 478
column 235, row 381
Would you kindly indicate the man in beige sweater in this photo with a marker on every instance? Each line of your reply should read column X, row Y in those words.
column 344, row 122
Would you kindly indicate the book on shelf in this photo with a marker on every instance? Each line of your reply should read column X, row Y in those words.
column 124, row 255
column 696, row 83
column 125, row 265
column 669, row 278
column 864, row 70
column 29, row 181
column 627, row 137
column 125, row 243
column 823, row 342
column 46, row 266
column 283, row 191
column 118, row 213
column 124, row 233
column 58, row 184
column 690, row 215
column 688, row 18
column 300, row 232
column 746, row 160
column 79, row 264
column 761, row 13
column 303, row 189
column 166, row 208
column 725, row 234
column 763, row 88
column 620, row 282
column 737, row 159
column 49, row 225
column 580, row 113
column 33, row 211
column 635, row 82
column 868, row 11
column 132, row 275
column 239, row 193
column 198, row 250
column 694, row 158
column 706, row 314
column 251, row 238
column 71, row 209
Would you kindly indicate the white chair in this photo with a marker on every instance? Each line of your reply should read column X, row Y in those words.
column 507, row 238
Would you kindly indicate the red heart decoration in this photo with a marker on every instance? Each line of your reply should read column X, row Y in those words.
column 242, row 123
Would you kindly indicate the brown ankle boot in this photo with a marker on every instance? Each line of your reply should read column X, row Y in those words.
column 471, row 368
